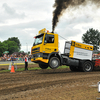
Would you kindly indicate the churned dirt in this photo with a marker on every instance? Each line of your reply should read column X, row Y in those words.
column 49, row 84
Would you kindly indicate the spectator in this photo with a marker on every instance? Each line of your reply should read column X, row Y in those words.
column 26, row 62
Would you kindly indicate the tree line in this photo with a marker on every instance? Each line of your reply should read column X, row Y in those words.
column 11, row 44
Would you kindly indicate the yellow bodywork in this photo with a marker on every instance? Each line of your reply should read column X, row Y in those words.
column 40, row 59
column 45, row 47
column 79, row 45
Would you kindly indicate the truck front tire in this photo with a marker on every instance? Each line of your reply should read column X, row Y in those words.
column 43, row 66
column 54, row 62
column 87, row 66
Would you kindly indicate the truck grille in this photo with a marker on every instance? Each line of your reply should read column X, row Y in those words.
column 36, row 50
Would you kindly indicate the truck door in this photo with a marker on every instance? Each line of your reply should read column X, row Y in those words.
column 49, row 44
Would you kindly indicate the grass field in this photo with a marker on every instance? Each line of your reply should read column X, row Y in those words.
column 32, row 68
column 16, row 64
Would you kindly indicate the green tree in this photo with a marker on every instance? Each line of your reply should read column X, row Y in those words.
column 12, row 47
column 17, row 41
column 0, row 48
column 3, row 47
column 92, row 36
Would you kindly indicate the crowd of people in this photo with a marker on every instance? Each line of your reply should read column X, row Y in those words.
column 96, row 56
column 7, row 57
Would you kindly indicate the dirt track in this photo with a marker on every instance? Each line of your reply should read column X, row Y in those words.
column 58, row 84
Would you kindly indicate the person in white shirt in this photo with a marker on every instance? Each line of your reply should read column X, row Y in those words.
column 26, row 62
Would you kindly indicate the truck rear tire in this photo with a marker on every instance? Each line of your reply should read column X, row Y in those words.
column 87, row 66
column 73, row 68
column 43, row 66
column 54, row 62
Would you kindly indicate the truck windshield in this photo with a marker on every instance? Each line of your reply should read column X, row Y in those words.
column 38, row 39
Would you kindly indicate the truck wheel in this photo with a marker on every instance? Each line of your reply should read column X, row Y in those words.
column 73, row 68
column 87, row 66
column 54, row 62
column 43, row 66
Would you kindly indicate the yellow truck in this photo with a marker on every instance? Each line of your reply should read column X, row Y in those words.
column 45, row 52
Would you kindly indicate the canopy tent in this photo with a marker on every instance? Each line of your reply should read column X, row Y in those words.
column 5, row 52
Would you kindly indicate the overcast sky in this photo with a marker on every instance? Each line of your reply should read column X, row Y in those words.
column 24, row 18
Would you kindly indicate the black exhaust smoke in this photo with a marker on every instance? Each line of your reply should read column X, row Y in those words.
column 61, row 5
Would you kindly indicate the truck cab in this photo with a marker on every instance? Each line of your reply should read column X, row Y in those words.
column 44, row 47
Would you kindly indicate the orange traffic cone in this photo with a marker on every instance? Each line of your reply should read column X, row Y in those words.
column 12, row 69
